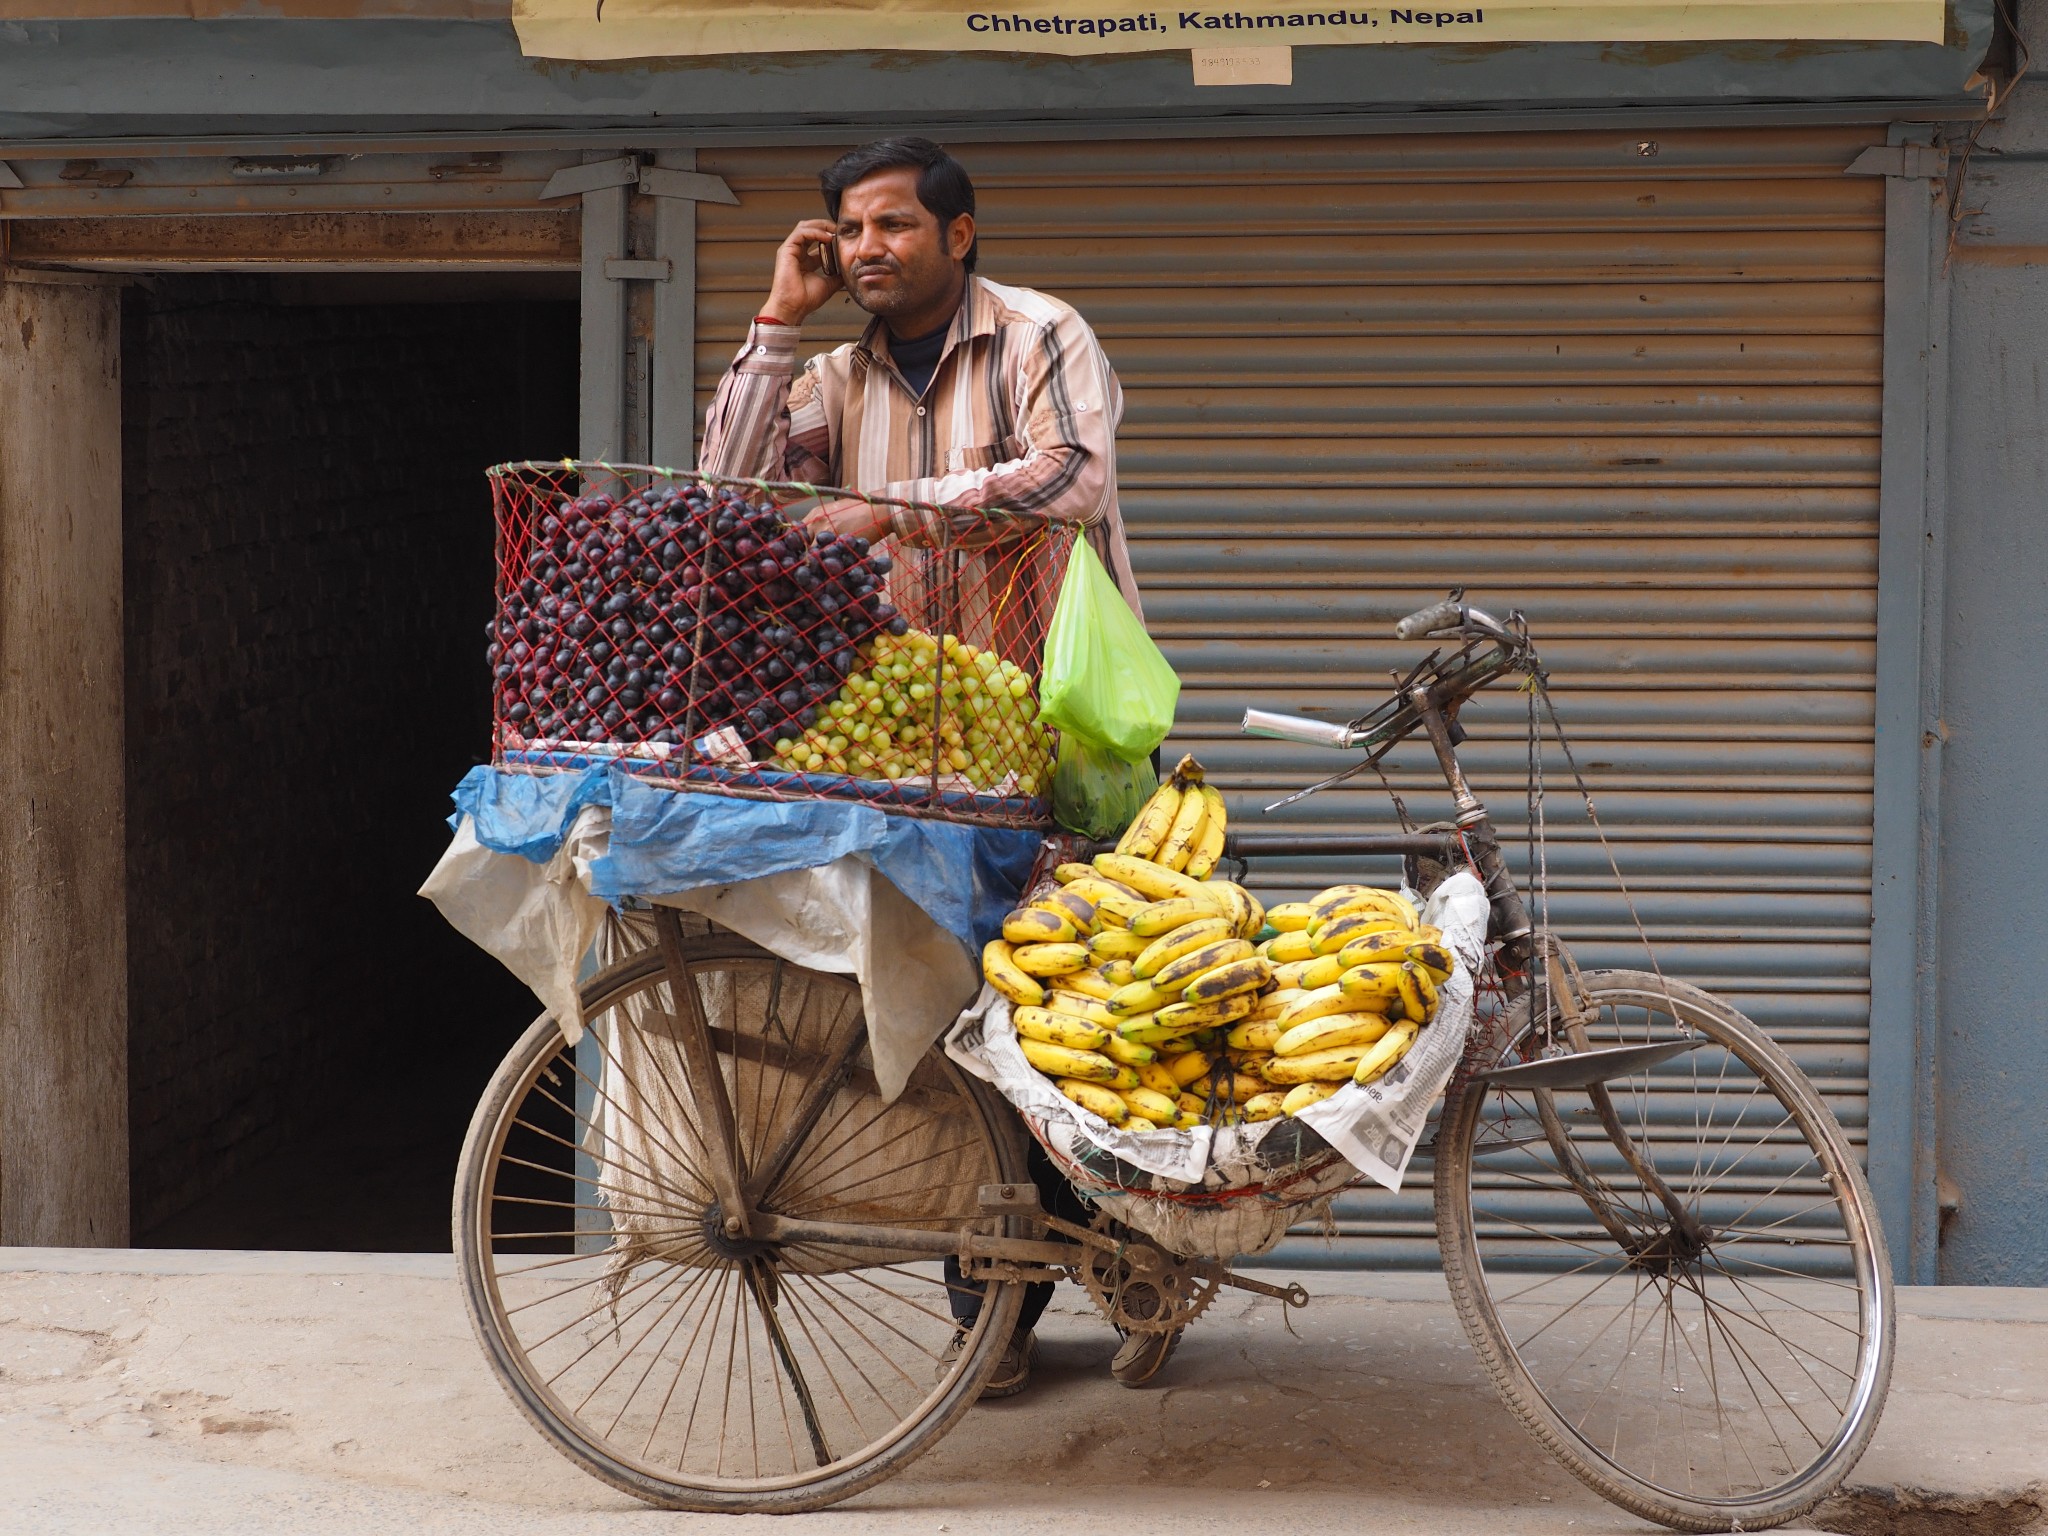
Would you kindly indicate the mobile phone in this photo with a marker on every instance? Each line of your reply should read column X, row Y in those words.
column 828, row 256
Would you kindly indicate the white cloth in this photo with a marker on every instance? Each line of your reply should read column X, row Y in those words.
column 844, row 917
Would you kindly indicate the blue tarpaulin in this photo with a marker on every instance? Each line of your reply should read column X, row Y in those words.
column 664, row 841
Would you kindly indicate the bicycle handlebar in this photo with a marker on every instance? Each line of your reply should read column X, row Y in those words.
column 1445, row 615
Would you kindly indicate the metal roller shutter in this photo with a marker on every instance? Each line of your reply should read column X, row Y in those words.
column 1628, row 383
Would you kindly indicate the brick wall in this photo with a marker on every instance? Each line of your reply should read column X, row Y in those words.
column 307, row 574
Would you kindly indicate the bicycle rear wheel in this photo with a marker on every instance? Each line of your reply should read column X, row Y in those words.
column 689, row 1367
column 1712, row 1351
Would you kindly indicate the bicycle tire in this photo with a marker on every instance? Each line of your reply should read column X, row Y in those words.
column 1476, row 1287
column 540, row 1046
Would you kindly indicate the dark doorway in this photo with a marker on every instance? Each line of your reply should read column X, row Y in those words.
column 307, row 577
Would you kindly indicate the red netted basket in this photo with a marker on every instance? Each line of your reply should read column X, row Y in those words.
column 692, row 628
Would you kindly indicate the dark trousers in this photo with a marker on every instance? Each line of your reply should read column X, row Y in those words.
column 1058, row 1197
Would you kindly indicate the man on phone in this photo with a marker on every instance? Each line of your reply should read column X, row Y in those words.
column 961, row 393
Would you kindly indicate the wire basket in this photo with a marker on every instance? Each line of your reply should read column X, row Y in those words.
column 690, row 627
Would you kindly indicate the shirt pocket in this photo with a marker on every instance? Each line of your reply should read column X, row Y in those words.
column 983, row 457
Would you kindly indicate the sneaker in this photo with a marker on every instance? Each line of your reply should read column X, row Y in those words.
column 1142, row 1356
column 1013, row 1371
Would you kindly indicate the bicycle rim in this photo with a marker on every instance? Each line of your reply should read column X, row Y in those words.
column 688, row 1369
column 1727, row 1364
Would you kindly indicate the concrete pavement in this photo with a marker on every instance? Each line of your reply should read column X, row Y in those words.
column 167, row 1392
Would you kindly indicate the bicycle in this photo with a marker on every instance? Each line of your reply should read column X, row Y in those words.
column 703, row 1253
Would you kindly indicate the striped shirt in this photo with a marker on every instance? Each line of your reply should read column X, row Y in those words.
column 1021, row 413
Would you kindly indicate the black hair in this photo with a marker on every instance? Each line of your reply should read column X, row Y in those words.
column 942, row 184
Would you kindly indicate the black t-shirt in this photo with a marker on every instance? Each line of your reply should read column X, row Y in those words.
column 918, row 358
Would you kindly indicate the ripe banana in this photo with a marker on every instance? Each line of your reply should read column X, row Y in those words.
column 1067, row 874
column 1153, row 881
column 999, row 965
column 1186, row 1067
column 1154, row 1075
column 1236, row 1087
column 1418, row 992
column 1184, row 940
column 1128, row 1052
column 1270, row 1005
column 1163, row 917
column 1315, row 1005
column 1291, row 948
column 1117, row 973
column 1264, row 1106
column 1047, row 960
column 1066, row 1061
column 1332, row 936
column 1034, row 925
column 1187, row 827
column 1186, row 1017
column 1140, row 997
column 1090, row 886
column 1144, row 835
column 1077, row 1005
column 1115, row 909
column 1328, row 1066
column 1254, row 1034
column 1116, row 944
column 1301, row 1095
column 1192, row 1104
column 1229, row 980
column 1371, row 987
column 1288, row 917
column 1146, row 1030
column 1208, row 844
column 1380, row 1057
column 1378, row 948
column 1051, row 1028
column 1078, row 908
column 1089, row 982
column 1150, row 1104
column 1319, row 972
column 1433, row 958
column 1235, row 900
column 1363, row 899
column 1289, row 973
column 1329, row 1032
column 1095, row 1098
column 1178, row 972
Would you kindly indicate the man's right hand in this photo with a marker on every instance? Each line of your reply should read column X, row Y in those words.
column 802, row 285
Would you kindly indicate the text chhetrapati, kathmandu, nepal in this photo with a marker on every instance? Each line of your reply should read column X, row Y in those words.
column 623, row 29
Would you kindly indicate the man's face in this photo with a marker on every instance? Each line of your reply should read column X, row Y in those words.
column 896, row 258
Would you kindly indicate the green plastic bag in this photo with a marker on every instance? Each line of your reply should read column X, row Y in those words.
column 1103, row 678
column 1095, row 792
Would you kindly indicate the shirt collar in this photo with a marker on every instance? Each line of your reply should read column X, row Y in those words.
column 976, row 316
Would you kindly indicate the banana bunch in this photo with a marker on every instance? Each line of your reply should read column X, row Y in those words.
column 1364, row 971
column 1155, row 996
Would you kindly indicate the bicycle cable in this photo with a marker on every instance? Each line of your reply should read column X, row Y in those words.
column 1539, row 688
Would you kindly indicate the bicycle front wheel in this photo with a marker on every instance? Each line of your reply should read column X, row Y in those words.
column 689, row 1366
column 1676, row 1278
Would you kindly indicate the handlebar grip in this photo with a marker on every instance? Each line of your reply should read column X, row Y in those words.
column 1309, row 733
column 1436, row 616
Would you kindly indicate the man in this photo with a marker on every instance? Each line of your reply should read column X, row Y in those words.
column 961, row 393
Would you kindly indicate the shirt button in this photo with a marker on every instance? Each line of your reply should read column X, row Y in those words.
column 760, row 351
column 920, row 410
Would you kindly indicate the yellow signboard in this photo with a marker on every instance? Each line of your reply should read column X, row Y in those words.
column 635, row 29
